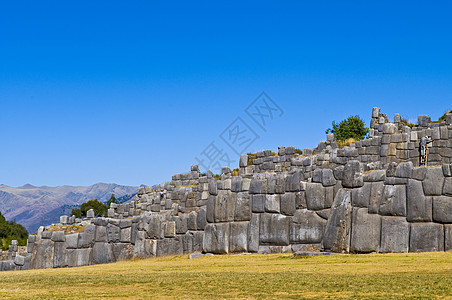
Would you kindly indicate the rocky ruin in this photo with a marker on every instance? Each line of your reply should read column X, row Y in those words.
column 371, row 196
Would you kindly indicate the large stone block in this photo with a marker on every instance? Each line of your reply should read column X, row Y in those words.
column 238, row 239
column 315, row 196
column 442, row 209
column 201, row 219
column 243, row 207
column 404, row 170
column 447, row 189
column 419, row 207
column 192, row 217
column 102, row 253
column 253, row 233
column 101, row 234
column 448, row 236
column 58, row 236
column 216, row 238
column 272, row 203
column 113, row 233
column 395, row 234
column 225, row 206
column 43, row 251
column 328, row 177
column 434, row 181
column 72, row 241
column 376, row 193
column 181, row 224
column 86, row 238
column 236, row 184
column 374, row 176
column 337, row 232
column 258, row 186
column 366, row 230
column 353, row 175
column 59, row 255
column 125, row 235
column 361, row 196
column 274, row 229
column 122, row 251
column 258, row 203
column 306, row 227
column 426, row 237
column 293, row 181
column 288, row 204
column 393, row 202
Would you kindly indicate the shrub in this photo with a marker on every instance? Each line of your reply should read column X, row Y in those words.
column 99, row 209
column 10, row 230
column 298, row 151
column 352, row 127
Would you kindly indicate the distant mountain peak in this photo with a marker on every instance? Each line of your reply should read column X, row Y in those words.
column 27, row 186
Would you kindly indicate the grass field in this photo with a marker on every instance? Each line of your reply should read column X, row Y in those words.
column 375, row 276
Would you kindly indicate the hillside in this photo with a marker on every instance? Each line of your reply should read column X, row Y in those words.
column 34, row 206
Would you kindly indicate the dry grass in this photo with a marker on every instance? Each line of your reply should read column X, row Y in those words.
column 68, row 229
column 347, row 142
column 375, row 276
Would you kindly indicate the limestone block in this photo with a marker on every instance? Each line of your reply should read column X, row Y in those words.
column 448, row 236
column 337, row 232
column 59, row 255
column 447, row 172
column 423, row 120
column 210, row 210
column 64, row 220
column 272, row 203
column 72, row 240
column 418, row 240
column 253, row 233
column 419, row 207
column 113, row 233
column 258, row 203
column 395, row 234
column 19, row 260
column 315, row 196
column 43, row 251
column 374, row 176
column 361, row 196
column 300, row 199
column 213, row 190
column 338, row 172
column 447, row 189
column 243, row 207
column 238, row 239
column 191, row 222
column 201, row 219
column 225, row 206
column 246, row 182
column 125, row 235
column 111, row 212
column 328, row 177
column 353, row 175
column 58, row 236
column 293, row 181
column 86, row 238
column 442, row 209
column 376, row 193
column 404, row 170
column 90, row 213
column 236, row 184
column 288, row 204
column 169, row 229
column 122, row 251
column 216, row 238
column 434, row 181
column 393, row 201
column 125, row 223
column 258, row 186
column 101, row 234
column 419, row 173
column 366, row 229
column 306, row 227
column 7, row 265
column 181, row 224
column 243, row 160
column 274, row 229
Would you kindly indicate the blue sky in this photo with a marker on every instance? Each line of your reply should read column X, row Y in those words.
column 132, row 92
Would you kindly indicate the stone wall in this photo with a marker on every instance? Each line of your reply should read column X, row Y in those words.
column 368, row 197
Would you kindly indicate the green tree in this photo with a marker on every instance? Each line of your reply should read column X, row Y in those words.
column 10, row 230
column 352, row 127
column 112, row 200
column 99, row 209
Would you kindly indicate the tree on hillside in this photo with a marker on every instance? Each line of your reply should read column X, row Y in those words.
column 10, row 230
column 352, row 127
column 112, row 200
column 99, row 209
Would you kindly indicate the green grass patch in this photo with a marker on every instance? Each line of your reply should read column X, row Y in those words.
column 374, row 276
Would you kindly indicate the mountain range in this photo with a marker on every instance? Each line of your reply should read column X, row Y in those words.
column 34, row 206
